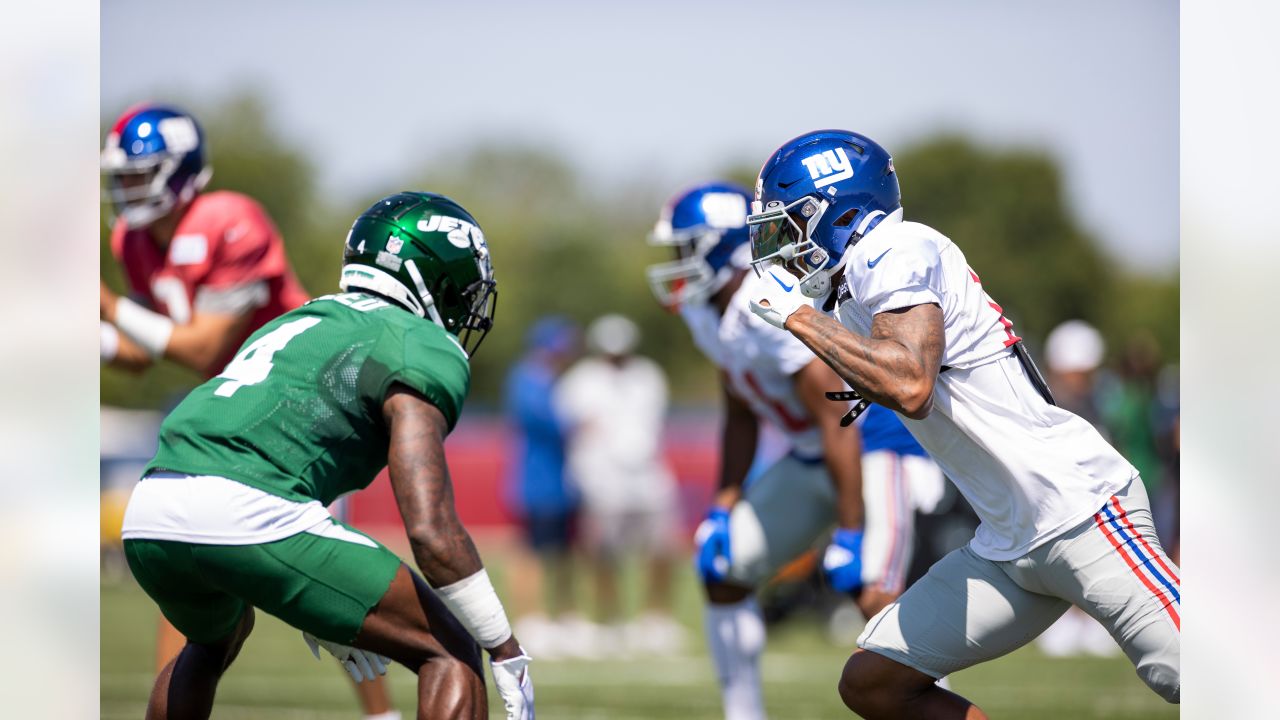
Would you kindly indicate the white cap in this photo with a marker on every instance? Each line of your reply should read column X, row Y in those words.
column 613, row 335
column 1074, row 346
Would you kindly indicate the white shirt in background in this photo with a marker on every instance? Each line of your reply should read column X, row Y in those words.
column 616, row 416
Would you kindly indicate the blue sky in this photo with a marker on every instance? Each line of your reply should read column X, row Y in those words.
column 672, row 91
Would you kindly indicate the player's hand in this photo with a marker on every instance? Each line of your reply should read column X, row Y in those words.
column 713, row 557
column 511, row 676
column 842, row 563
column 362, row 664
column 781, row 297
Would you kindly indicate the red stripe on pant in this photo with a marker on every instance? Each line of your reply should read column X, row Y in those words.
column 1123, row 516
column 1164, row 599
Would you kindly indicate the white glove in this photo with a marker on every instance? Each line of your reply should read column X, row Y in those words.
column 514, row 686
column 109, row 345
column 362, row 664
column 781, row 296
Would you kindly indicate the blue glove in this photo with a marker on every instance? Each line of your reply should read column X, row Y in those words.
column 713, row 558
column 842, row 563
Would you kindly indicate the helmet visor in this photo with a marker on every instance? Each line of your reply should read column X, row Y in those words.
column 775, row 232
column 771, row 233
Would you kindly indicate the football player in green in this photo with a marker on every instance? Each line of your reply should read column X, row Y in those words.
column 230, row 516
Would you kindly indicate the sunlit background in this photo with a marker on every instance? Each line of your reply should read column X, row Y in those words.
column 1043, row 139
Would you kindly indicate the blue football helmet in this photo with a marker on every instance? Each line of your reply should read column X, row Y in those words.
column 154, row 161
column 707, row 227
column 816, row 196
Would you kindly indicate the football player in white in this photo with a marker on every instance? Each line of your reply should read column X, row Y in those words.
column 769, row 376
column 895, row 310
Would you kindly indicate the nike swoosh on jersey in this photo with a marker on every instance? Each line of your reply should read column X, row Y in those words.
column 873, row 263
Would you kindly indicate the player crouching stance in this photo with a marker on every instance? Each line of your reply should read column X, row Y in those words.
column 230, row 513
column 1065, row 518
column 767, row 376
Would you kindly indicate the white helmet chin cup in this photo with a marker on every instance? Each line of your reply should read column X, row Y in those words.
column 816, row 284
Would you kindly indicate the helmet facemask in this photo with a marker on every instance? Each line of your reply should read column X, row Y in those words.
column 481, row 300
column 780, row 236
column 689, row 279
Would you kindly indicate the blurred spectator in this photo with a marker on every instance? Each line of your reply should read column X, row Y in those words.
column 1127, row 401
column 538, row 493
column 1073, row 353
column 1167, row 506
column 1140, row 406
column 615, row 403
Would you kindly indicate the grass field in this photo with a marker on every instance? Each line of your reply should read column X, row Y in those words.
column 276, row 677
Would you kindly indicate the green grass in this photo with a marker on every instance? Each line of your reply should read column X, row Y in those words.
column 276, row 677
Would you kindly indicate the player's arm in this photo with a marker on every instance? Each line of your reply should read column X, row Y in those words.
column 841, row 446
column 198, row 344
column 441, row 546
column 117, row 350
column 738, row 439
column 896, row 366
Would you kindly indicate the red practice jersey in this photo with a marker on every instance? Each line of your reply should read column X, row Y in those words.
column 226, row 257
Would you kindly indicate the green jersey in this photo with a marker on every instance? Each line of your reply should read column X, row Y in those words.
column 298, row 412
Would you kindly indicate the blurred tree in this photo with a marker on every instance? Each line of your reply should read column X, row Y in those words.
column 1005, row 210
column 559, row 248
column 561, row 244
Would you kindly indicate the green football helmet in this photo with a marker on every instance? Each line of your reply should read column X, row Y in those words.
column 427, row 254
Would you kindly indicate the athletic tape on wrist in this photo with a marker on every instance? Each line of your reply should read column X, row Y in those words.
column 110, row 341
column 149, row 329
column 476, row 605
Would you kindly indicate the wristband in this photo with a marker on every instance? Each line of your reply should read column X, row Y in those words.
column 150, row 330
column 473, row 601
column 110, row 341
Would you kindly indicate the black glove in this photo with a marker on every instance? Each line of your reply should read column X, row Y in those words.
column 860, row 405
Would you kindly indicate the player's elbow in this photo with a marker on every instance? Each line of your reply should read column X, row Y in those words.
column 916, row 400
column 434, row 534
column 425, row 542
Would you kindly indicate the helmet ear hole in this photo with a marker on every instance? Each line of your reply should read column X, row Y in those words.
column 846, row 219
column 449, row 297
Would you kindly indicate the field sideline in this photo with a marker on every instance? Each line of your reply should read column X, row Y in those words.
column 276, row 677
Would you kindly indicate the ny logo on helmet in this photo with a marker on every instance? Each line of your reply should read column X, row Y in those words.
column 828, row 166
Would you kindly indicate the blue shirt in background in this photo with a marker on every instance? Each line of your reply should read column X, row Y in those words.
column 537, row 479
column 882, row 429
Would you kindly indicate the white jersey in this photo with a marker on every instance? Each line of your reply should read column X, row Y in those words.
column 759, row 362
column 1030, row 470
column 616, row 414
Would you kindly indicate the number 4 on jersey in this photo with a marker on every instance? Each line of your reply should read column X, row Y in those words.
column 253, row 364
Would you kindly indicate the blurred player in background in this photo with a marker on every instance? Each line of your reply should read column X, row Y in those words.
column 230, row 513
column 767, row 376
column 540, row 494
column 615, row 404
column 893, row 307
column 205, row 270
column 1073, row 352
